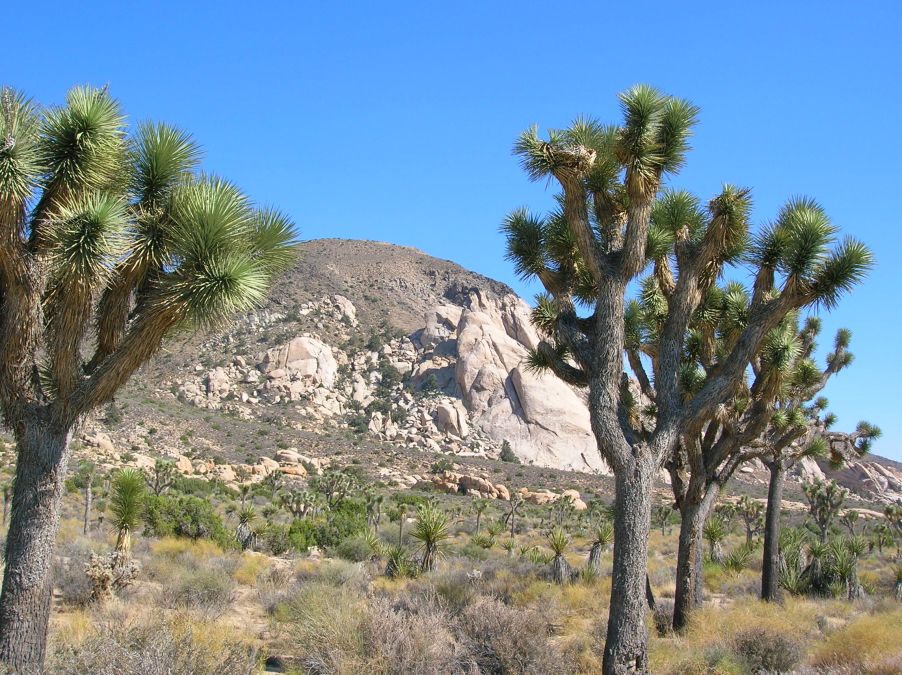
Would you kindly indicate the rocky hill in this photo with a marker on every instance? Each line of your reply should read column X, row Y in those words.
column 374, row 346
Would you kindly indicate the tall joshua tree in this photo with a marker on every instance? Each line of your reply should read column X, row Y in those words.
column 107, row 242
column 609, row 228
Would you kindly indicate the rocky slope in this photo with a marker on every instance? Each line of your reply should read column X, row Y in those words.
column 387, row 344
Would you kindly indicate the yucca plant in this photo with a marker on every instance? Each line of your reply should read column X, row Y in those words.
column 431, row 530
column 244, row 533
column 715, row 532
column 738, row 559
column 127, row 493
column 398, row 563
column 560, row 568
column 509, row 545
column 109, row 242
column 485, row 541
column 374, row 543
column 604, row 535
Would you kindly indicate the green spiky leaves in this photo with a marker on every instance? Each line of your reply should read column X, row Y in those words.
column 20, row 161
column 86, row 238
column 83, row 143
column 162, row 157
column 223, row 252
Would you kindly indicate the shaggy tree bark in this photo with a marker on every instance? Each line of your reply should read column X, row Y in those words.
column 89, row 498
column 695, row 508
column 626, row 646
column 27, row 584
column 770, row 568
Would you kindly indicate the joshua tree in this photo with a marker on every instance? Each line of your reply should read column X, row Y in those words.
column 335, row 485
column 607, row 231
column 752, row 514
column 273, row 482
column 431, row 530
column 161, row 477
column 398, row 514
column 479, row 506
column 244, row 533
column 374, row 510
column 513, row 508
column 849, row 520
column 84, row 479
column 126, row 504
column 88, row 214
column 799, row 429
column 662, row 516
column 604, row 535
column 825, row 499
column 560, row 568
column 245, row 491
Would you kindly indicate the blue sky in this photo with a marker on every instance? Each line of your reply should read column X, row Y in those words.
column 394, row 121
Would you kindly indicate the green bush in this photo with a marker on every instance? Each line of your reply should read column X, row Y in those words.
column 354, row 549
column 190, row 517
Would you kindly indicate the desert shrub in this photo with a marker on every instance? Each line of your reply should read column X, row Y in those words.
column 505, row 639
column 69, row 576
column 249, row 568
column 326, row 627
column 473, row 551
column 174, row 646
column 868, row 644
column 663, row 617
column 207, row 591
column 507, row 454
column 190, row 517
column 766, row 650
column 354, row 549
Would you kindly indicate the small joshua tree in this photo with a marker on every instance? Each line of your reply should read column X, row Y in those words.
column 825, row 499
column 84, row 479
column 662, row 516
column 560, row 568
column 715, row 532
column 513, row 508
column 431, row 530
column 752, row 514
column 479, row 507
column 849, row 520
column 161, row 477
column 604, row 535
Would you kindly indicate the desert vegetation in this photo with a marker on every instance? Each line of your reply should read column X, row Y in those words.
column 337, row 591
column 688, row 333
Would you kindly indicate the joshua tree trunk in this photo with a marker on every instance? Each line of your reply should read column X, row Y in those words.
column 89, row 498
column 25, row 600
column 770, row 567
column 626, row 648
column 594, row 562
column 695, row 509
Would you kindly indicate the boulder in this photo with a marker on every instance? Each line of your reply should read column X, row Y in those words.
column 451, row 417
column 303, row 356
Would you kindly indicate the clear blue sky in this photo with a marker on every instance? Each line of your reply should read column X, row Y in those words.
column 394, row 121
